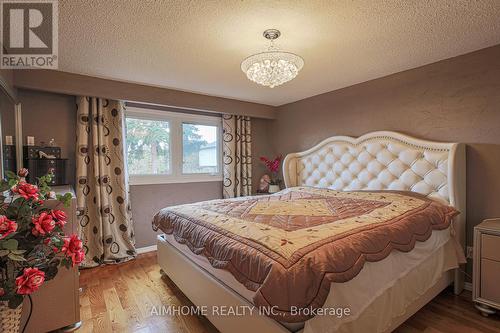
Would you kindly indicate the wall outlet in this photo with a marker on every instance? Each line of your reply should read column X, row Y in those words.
column 470, row 252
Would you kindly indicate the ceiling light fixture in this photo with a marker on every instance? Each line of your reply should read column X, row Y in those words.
column 272, row 67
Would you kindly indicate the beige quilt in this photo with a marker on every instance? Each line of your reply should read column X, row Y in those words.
column 290, row 246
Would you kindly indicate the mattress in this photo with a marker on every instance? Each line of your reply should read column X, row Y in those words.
column 417, row 269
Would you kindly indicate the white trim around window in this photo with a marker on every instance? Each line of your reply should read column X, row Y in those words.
column 175, row 121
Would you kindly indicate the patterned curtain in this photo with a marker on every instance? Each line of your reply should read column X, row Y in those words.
column 105, row 223
column 237, row 153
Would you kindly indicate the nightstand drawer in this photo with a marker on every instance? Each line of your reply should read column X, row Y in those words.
column 490, row 275
column 490, row 247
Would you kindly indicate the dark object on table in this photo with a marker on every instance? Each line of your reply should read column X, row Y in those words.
column 33, row 152
column 39, row 167
column 261, row 193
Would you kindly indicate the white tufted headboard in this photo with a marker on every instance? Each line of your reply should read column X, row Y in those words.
column 384, row 161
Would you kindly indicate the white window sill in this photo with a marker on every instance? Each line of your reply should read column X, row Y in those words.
column 158, row 179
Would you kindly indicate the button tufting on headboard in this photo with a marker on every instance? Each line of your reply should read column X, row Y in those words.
column 376, row 166
column 376, row 161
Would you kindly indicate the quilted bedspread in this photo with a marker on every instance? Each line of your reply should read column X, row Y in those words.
column 290, row 246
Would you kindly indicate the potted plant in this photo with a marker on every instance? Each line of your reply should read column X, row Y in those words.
column 274, row 168
column 32, row 243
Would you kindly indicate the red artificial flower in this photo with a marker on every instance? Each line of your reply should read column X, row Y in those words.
column 2, row 292
column 78, row 257
column 6, row 226
column 72, row 244
column 44, row 224
column 72, row 248
column 26, row 190
column 30, row 281
column 59, row 216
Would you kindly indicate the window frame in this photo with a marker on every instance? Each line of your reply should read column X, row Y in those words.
column 175, row 121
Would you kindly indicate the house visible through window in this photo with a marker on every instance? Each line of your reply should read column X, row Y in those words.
column 199, row 148
column 165, row 147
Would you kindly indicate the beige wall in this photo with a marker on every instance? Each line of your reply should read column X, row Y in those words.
column 455, row 100
column 146, row 200
column 8, row 95
column 46, row 116
column 262, row 145
column 7, row 115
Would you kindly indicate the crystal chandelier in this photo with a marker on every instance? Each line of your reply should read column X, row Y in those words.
column 272, row 67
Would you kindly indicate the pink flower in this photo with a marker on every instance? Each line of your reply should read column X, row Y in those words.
column 272, row 165
column 30, row 281
column 6, row 226
column 72, row 248
column 26, row 190
column 44, row 224
column 59, row 216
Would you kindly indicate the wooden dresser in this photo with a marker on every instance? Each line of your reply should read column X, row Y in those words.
column 486, row 277
column 56, row 304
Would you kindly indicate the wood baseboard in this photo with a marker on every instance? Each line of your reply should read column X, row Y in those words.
column 146, row 249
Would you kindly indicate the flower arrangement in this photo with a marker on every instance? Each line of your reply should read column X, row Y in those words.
column 32, row 243
column 274, row 168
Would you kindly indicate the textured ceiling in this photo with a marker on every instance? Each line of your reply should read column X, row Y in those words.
column 198, row 45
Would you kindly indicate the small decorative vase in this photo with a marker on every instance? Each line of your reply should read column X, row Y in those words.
column 10, row 319
column 274, row 188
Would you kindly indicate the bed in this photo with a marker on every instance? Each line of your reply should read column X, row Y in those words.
column 395, row 199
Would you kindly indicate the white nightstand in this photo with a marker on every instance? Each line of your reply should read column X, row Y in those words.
column 486, row 277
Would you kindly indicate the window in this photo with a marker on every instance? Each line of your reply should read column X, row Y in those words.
column 148, row 146
column 169, row 147
column 199, row 149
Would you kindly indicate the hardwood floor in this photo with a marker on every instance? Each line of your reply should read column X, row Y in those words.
column 120, row 298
